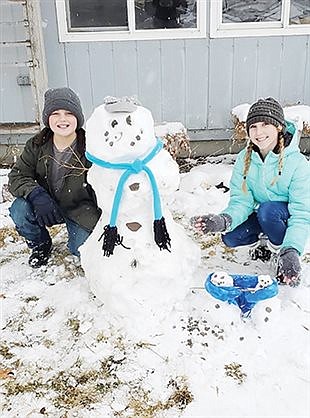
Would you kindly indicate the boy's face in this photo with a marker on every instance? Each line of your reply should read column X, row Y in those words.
column 264, row 135
column 63, row 123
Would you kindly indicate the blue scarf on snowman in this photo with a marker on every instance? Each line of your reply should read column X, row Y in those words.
column 110, row 236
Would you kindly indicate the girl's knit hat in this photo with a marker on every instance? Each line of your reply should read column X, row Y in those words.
column 265, row 110
column 62, row 98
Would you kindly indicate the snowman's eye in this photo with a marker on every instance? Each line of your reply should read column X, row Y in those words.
column 114, row 123
column 128, row 120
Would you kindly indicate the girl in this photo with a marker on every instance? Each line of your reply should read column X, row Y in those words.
column 49, row 179
column 269, row 192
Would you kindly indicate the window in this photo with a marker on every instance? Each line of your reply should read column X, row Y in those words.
column 98, row 14
column 233, row 18
column 99, row 20
column 300, row 12
column 251, row 11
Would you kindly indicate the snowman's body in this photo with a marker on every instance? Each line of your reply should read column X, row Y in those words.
column 138, row 270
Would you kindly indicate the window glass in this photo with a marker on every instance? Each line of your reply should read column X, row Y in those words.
column 300, row 12
column 251, row 10
column 161, row 14
column 99, row 14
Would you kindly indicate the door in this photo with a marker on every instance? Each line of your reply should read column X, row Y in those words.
column 22, row 73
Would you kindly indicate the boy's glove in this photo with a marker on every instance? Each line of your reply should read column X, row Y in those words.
column 45, row 208
column 289, row 267
column 211, row 222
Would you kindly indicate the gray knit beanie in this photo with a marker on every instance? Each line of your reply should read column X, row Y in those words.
column 265, row 110
column 62, row 98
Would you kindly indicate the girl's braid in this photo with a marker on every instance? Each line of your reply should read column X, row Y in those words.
column 281, row 158
column 247, row 161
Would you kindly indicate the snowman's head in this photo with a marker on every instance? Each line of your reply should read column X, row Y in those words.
column 120, row 132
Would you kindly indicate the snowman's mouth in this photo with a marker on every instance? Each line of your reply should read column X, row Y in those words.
column 117, row 137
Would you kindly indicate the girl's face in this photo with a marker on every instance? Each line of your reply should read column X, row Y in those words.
column 264, row 135
column 63, row 123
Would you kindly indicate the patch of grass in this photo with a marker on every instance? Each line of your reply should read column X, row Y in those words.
column 18, row 321
column 181, row 395
column 234, row 370
column 14, row 387
column 142, row 406
column 7, row 232
column 5, row 352
column 71, row 388
column 71, row 394
column 211, row 242
column 13, row 256
column 101, row 337
column 48, row 343
column 48, row 312
column 229, row 254
column 177, row 216
column 31, row 299
column 82, row 388
column 74, row 325
column 55, row 230
column 62, row 257
column 76, row 388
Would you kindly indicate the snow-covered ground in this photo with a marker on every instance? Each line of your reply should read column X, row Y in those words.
column 61, row 354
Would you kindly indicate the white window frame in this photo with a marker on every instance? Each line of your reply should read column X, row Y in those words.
column 235, row 30
column 131, row 34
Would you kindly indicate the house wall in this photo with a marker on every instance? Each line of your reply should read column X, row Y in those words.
column 194, row 81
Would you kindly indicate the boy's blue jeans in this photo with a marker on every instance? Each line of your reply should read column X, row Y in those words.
column 27, row 226
column 269, row 219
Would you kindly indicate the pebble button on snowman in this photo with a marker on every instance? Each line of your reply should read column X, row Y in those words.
column 138, row 260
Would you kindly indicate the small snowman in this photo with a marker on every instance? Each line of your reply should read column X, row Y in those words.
column 138, row 260
column 221, row 278
column 263, row 281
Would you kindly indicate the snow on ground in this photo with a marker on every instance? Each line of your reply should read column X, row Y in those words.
column 61, row 354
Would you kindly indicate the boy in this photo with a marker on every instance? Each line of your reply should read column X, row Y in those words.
column 49, row 179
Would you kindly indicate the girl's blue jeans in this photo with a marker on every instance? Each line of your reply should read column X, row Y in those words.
column 269, row 219
column 27, row 226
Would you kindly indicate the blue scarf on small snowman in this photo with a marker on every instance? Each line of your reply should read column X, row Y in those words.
column 110, row 236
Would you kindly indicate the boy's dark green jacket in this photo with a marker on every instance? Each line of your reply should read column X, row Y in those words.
column 77, row 199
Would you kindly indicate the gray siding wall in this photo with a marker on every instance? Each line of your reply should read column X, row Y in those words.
column 195, row 81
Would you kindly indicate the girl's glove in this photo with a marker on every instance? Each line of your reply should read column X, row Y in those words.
column 211, row 222
column 45, row 208
column 289, row 268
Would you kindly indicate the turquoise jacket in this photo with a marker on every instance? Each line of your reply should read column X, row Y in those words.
column 293, row 186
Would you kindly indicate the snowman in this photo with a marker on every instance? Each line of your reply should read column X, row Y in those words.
column 138, row 260
column 221, row 278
